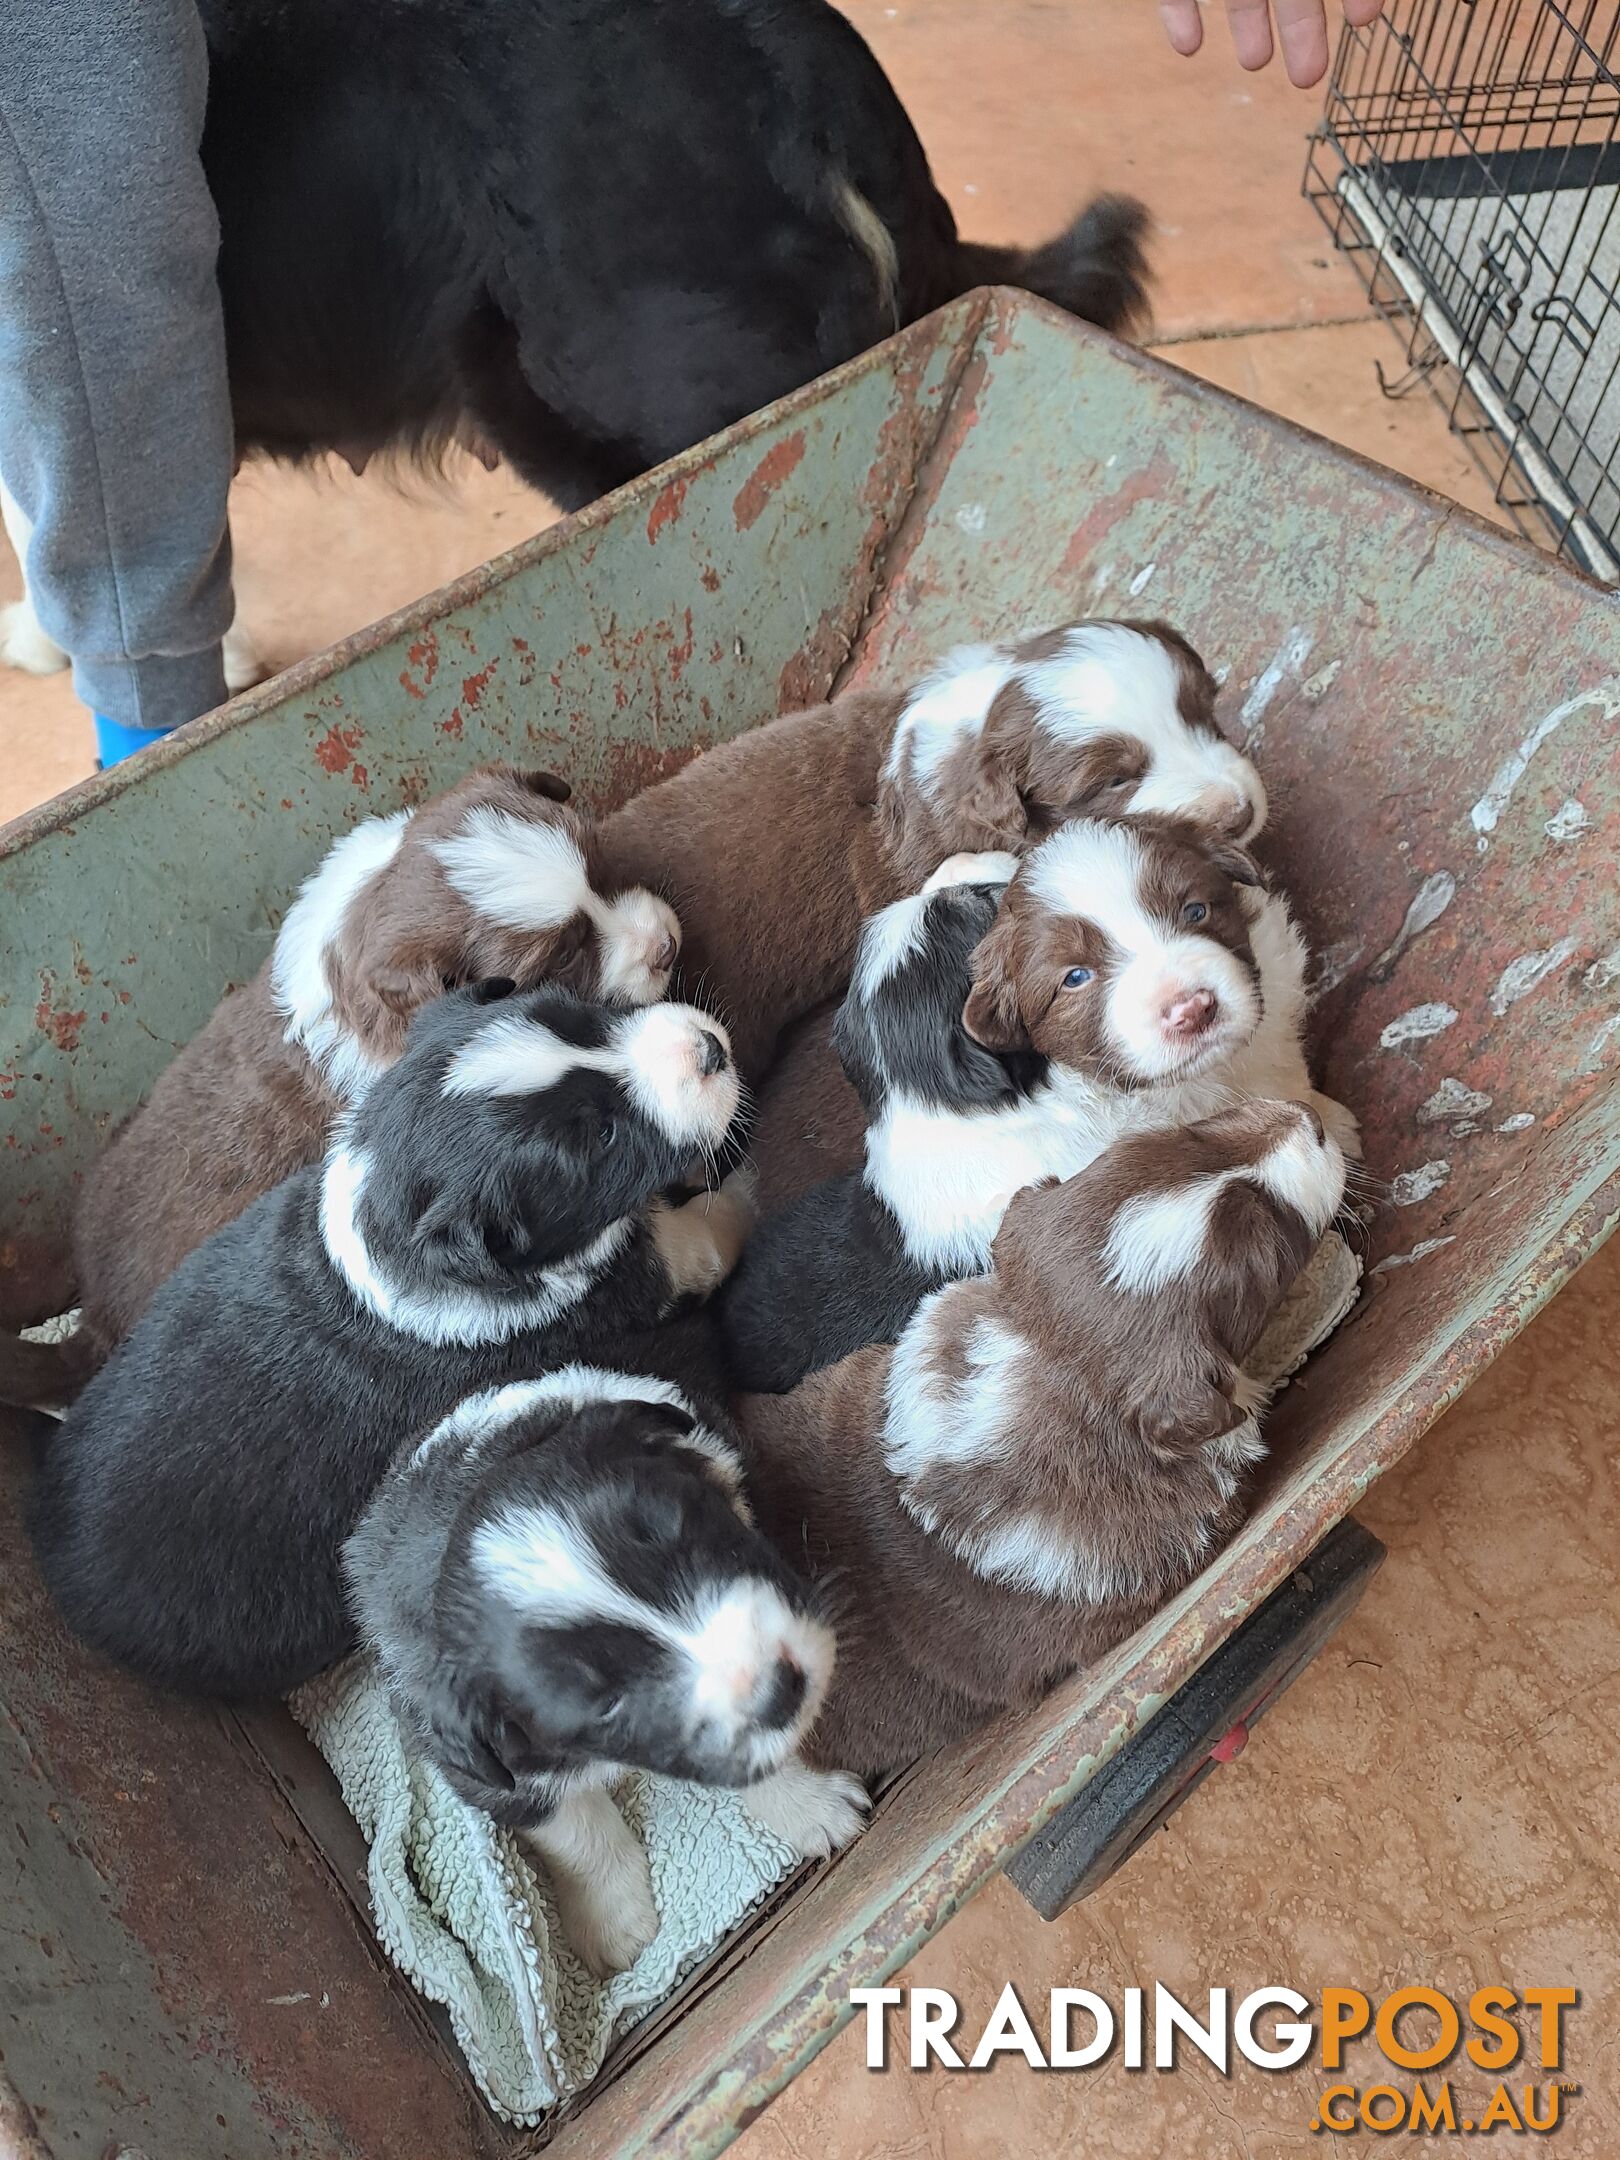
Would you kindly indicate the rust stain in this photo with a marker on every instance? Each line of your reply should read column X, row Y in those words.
column 335, row 751
column 474, row 686
column 453, row 725
column 1155, row 479
column 58, row 1024
column 361, row 778
column 711, row 578
column 681, row 651
column 773, row 468
column 422, row 664
column 667, row 506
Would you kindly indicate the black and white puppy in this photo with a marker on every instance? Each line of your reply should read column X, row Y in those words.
column 836, row 1269
column 562, row 1582
column 489, row 1210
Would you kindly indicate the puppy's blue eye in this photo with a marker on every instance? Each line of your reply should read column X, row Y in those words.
column 1076, row 978
column 1194, row 912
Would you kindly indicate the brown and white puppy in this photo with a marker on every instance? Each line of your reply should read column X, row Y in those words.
column 773, row 847
column 1155, row 964
column 497, row 878
column 1053, row 1449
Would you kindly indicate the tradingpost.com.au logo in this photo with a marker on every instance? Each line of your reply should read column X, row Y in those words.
column 1486, row 2062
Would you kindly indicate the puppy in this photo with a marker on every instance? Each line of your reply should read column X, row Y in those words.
column 774, row 846
column 832, row 1271
column 1136, row 975
column 495, row 878
column 1155, row 971
column 562, row 1581
column 488, row 1210
column 1052, row 1450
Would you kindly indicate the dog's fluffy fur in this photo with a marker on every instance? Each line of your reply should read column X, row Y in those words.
column 579, row 237
column 497, row 877
column 562, row 1581
column 832, row 1272
column 487, row 1211
column 1052, row 1450
column 774, row 846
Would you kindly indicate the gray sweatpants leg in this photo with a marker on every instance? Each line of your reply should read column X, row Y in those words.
column 115, row 420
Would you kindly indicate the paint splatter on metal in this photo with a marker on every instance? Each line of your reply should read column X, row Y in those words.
column 1143, row 579
column 1418, row 1025
column 1521, row 976
column 1486, row 814
column 1429, row 903
column 1520, row 1121
column 1451, row 1099
column 1290, row 658
column 1420, row 1251
column 1568, row 822
column 1598, row 1050
column 1420, row 1184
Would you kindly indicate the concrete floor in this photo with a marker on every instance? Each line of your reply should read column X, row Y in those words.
column 1436, row 1801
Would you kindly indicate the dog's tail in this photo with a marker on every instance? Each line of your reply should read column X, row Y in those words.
column 45, row 1375
column 1097, row 268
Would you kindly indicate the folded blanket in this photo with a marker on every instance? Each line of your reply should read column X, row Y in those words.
column 471, row 1922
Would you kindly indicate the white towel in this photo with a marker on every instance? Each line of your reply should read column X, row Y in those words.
column 472, row 1924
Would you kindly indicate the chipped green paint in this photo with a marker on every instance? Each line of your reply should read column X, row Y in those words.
column 1434, row 709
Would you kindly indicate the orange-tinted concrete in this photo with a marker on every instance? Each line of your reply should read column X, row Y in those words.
column 1435, row 1801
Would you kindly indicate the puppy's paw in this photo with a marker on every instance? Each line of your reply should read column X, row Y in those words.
column 816, row 1812
column 995, row 868
column 600, row 1879
column 701, row 1241
column 23, row 644
column 1340, row 1124
column 610, row 1923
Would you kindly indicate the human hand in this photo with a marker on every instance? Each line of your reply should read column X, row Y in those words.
column 1301, row 27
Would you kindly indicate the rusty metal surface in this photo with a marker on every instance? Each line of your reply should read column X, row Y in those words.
column 1434, row 710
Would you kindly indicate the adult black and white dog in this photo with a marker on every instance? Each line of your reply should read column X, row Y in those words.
column 562, row 1581
column 490, row 1210
column 837, row 1269
column 583, row 233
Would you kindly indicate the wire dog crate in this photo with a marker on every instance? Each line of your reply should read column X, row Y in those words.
column 1468, row 162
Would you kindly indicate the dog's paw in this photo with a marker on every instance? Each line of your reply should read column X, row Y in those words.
column 610, row 1923
column 1340, row 1124
column 995, row 868
column 816, row 1812
column 603, row 1892
column 739, row 1189
column 23, row 644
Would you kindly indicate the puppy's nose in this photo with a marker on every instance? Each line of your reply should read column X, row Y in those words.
column 662, row 958
column 1187, row 1014
column 712, row 1056
column 783, row 1694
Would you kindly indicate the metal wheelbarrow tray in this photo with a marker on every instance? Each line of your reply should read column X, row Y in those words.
column 1433, row 705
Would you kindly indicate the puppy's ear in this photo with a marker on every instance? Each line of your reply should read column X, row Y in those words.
column 404, row 987
column 550, row 786
column 1236, row 862
column 1179, row 1412
column 484, row 1236
column 492, row 989
column 991, row 1014
column 472, row 1735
